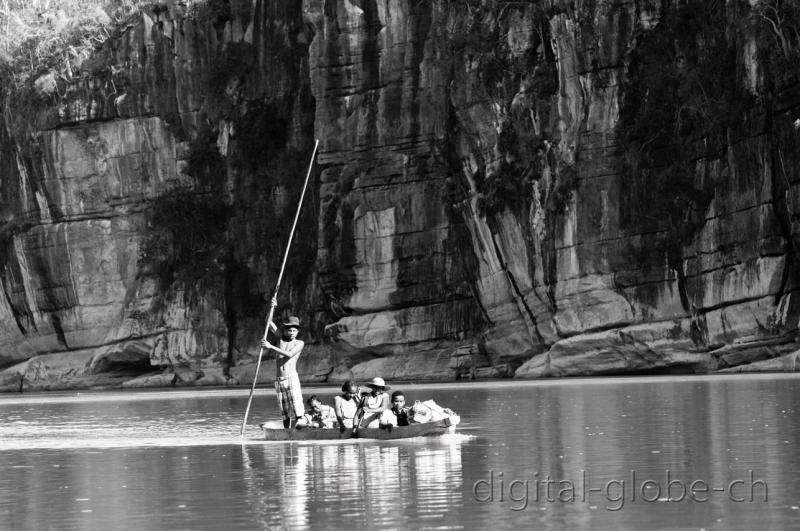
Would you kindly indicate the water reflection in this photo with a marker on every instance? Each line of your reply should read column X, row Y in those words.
column 716, row 431
column 407, row 484
column 175, row 461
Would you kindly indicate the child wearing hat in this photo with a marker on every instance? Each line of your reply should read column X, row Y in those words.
column 374, row 403
column 287, row 382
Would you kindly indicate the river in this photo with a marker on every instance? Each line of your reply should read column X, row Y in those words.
column 705, row 452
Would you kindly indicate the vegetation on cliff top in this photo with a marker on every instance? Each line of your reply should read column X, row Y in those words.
column 51, row 36
column 55, row 37
column 47, row 45
column 684, row 94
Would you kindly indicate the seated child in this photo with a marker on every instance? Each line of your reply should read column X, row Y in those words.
column 373, row 404
column 397, row 415
column 346, row 404
column 318, row 415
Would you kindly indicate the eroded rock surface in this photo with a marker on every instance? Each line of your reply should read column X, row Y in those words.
column 494, row 194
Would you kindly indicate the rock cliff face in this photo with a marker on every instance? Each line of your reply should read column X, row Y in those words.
column 502, row 189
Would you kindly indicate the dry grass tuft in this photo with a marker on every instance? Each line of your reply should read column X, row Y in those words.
column 56, row 36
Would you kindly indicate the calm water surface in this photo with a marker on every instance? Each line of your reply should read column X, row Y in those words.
column 562, row 454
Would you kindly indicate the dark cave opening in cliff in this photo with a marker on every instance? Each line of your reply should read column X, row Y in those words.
column 127, row 367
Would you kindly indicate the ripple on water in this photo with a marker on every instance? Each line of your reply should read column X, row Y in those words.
column 563, row 427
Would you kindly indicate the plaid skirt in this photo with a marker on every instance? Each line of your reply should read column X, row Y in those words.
column 290, row 397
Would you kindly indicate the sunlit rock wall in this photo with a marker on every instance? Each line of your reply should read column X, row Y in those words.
column 488, row 198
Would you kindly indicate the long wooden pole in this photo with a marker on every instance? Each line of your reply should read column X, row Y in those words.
column 278, row 285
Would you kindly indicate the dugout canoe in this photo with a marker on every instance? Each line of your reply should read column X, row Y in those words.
column 274, row 431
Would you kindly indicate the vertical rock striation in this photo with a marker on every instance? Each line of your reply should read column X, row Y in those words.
column 502, row 188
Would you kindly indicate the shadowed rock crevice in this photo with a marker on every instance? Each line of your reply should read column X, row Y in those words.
column 127, row 363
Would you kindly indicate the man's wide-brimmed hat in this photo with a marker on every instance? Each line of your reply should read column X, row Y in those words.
column 378, row 382
column 292, row 321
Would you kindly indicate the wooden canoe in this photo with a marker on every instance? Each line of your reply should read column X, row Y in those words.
column 274, row 431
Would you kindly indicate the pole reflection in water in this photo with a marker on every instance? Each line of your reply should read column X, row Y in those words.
column 171, row 460
column 405, row 483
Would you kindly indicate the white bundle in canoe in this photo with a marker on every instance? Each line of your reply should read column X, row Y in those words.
column 428, row 411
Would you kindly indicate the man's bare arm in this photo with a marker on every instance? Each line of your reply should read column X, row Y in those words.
column 272, row 326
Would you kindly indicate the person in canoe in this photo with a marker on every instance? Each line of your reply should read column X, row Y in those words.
column 373, row 404
column 287, row 382
column 346, row 404
column 397, row 415
column 318, row 415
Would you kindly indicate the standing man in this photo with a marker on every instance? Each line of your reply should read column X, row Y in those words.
column 287, row 383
